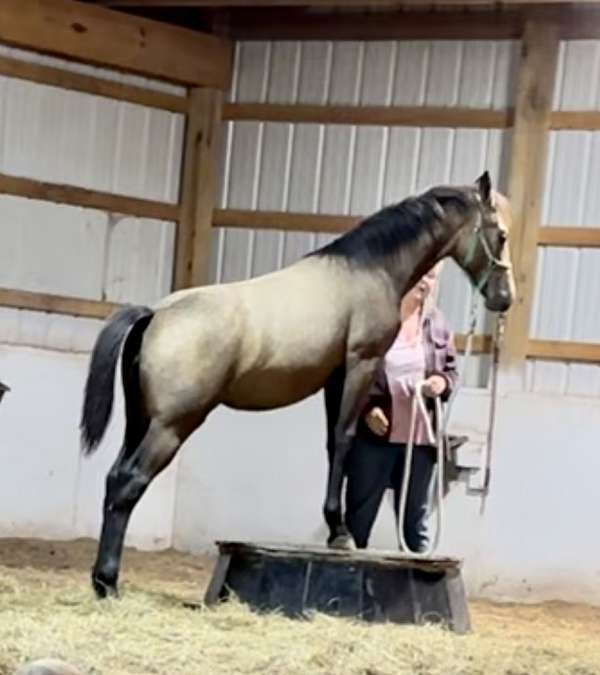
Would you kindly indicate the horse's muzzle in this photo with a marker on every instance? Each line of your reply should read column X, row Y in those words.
column 499, row 301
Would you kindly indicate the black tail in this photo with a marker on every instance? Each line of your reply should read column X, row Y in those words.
column 99, row 387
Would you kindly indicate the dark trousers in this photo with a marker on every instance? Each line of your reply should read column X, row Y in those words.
column 374, row 465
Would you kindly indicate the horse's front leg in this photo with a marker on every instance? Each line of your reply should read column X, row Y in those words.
column 358, row 377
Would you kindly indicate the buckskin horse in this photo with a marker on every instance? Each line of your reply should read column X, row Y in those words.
column 322, row 322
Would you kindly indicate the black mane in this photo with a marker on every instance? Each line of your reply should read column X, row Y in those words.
column 394, row 226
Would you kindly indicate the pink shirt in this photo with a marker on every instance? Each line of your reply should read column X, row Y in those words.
column 404, row 366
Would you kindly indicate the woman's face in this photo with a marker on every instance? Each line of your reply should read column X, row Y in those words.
column 424, row 287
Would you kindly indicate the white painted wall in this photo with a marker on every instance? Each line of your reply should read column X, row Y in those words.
column 47, row 489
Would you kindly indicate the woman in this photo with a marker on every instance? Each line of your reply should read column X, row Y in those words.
column 423, row 350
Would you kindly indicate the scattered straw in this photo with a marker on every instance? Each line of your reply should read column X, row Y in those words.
column 47, row 610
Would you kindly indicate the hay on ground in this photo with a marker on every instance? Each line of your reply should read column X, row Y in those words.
column 47, row 611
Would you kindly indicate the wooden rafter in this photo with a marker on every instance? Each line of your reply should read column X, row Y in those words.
column 113, row 39
column 378, row 4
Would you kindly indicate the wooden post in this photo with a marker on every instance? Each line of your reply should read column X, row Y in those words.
column 198, row 188
column 533, row 107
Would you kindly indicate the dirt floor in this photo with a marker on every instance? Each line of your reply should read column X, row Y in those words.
column 47, row 609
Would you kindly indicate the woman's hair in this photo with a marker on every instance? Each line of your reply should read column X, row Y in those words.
column 430, row 301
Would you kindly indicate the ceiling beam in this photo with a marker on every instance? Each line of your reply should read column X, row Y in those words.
column 465, row 24
column 391, row 19
column 93, row 34
column 373, row 4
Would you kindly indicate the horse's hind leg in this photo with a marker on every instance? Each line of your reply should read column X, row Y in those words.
column 127, row 481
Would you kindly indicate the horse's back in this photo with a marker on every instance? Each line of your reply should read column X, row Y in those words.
column 257, row 344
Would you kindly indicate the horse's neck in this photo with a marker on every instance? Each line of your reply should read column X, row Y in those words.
column 409, row 263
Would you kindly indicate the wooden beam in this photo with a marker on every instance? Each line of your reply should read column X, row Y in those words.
column 198, row 194
column 279, row 220
column 64, row 79
column 58, row 304
column 588, row 120
column 481, row 344
column 297, row 24
column 500, row 22
column 334, row 3
column 92, row 199
column 114, row 39
column 574, row 237
column 559, row 350
column 578, row 237
column 539, row 53
column 370, row 115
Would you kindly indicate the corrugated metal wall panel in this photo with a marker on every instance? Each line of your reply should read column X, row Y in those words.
column 139, row 259
column 568, row 281
column 343, row 169
column 473, row 73
column 68, row 137
column 51, row 248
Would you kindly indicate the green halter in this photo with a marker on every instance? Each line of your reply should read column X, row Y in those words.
column 493, row 262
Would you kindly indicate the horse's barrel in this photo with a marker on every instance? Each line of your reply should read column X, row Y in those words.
column 48, row 667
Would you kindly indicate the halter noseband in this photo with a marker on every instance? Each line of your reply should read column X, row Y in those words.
column 492, row 262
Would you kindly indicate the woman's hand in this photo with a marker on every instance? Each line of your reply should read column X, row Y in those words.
column 377, row 422
column 434, row 386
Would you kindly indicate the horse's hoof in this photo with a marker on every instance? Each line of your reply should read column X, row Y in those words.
column 341, row 542
column 104, row 588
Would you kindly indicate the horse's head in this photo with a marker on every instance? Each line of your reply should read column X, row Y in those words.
column 481, row 245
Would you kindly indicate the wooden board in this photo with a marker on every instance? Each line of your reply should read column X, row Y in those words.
column 562, row 350
column 106, row 37
column 417, row 116
column 393, row 558
column 65, row 79
column 578, row 237
column 283, row 221
column 198, row 189
column 59, row 304
column 75, row 196
column 539, row 54
column 292, row 23
column 413, row 4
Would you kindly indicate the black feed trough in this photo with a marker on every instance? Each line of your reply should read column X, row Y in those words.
column 374, row 586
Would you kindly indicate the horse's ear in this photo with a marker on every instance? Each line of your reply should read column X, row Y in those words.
column 484, row 185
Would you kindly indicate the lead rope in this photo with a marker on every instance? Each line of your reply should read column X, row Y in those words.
column 487, row 465
column 418, row 403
